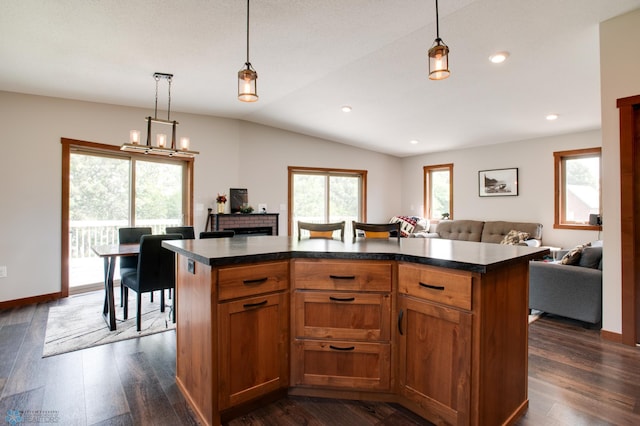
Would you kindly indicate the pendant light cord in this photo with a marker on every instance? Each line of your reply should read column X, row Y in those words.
column 437, row 22
column 247, row 34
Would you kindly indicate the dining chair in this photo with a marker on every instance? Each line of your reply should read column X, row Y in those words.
column 217, row 234
column 376, row 230
column 156, row 270
column 130, row 263
column 187, row 232
column 321, row 230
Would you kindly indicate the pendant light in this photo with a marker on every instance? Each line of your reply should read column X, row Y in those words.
column 247, row 76
column 438, row 55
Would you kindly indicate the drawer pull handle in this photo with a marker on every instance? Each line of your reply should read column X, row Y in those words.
column 342, row 299
column 342, row 277
column 400, row 315
column 432, row 287
column 338, row 348
column 254, row 305
column 255, row 281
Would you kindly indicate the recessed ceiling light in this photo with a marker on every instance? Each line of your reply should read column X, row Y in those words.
column 414, row 141
column 499, row 57
column 552, row 117
column 346, row 108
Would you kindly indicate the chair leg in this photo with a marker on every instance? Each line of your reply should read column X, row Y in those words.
column 139, row 311
column 121, row 295
column 152, row 297
column 125, row 300
column 162, row 300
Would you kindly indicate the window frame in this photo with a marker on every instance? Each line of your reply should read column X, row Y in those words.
column 323, row 171
column 427, row 189
column 559, row 160
column 70, row 146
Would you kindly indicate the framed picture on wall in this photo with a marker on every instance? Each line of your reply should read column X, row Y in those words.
column 498, row 183
column 239, row 198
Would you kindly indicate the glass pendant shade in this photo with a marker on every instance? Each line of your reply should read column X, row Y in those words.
column 439, row 61
column 247, row 84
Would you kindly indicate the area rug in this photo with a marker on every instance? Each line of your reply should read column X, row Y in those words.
column 78, row 323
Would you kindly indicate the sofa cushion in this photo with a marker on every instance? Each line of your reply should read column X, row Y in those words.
column 573, row 256
column 591, row 257
column 464, row 230
column 494, row 231
column 515, row 237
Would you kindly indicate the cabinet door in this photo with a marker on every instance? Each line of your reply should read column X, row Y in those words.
column 253, row 348
column 435, row 358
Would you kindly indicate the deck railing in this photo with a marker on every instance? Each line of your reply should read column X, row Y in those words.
column 85, row 234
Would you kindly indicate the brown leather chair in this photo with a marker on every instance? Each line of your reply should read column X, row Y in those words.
column 321, row 230
column 376, row 230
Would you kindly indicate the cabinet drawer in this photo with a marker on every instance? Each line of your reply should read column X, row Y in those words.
column 342, row 315
column 249, row 280
column 341, row 364
column 438, row 285
column 343, row 275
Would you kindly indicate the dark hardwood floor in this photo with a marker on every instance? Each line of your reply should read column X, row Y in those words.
column 575, row 378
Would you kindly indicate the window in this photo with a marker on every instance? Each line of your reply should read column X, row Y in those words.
column 577, row 188
column 326, row 195
column 105, row 189
column 438, row 191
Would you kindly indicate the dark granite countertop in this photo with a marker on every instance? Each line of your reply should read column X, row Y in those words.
column 462, row 255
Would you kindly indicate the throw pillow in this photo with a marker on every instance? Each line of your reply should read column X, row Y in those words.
column 407, row 224
column 591, row 257
column 573, row 256
column 514, row 237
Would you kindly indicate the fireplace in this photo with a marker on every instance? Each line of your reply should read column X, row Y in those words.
column 244, row 224
column 251, row 231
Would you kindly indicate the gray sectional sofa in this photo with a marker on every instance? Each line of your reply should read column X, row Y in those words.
column 484, row 231
column 569, row 290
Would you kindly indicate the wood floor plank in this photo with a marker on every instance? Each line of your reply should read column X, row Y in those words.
column 575, row 378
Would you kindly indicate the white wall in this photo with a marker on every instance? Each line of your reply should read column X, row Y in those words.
column 232, row 154
column 620, row 78
column 534, row 203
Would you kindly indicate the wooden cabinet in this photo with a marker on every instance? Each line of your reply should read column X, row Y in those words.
column 434, row 335
column 253, row 324
column 341, row 322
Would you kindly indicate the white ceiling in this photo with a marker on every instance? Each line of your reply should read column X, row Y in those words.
column 313, row 56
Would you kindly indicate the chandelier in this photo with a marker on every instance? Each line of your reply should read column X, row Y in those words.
column 161, row 147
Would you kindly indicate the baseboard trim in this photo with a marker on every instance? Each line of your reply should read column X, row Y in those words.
column 30, row 300
column 611, row 336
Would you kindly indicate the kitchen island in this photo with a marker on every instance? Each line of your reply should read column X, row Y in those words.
column 439, row 326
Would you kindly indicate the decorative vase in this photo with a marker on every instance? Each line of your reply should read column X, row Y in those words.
column 220, row 208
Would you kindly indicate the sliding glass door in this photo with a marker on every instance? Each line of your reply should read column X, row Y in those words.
column 110, row 190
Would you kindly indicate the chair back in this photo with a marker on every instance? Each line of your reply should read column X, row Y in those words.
column 129, row 236
column 156, row 264
column 377, row 230
column 217, row 234
column 321, row 230
column 187, row 232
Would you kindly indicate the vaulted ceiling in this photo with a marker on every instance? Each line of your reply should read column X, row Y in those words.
column 314, row 56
